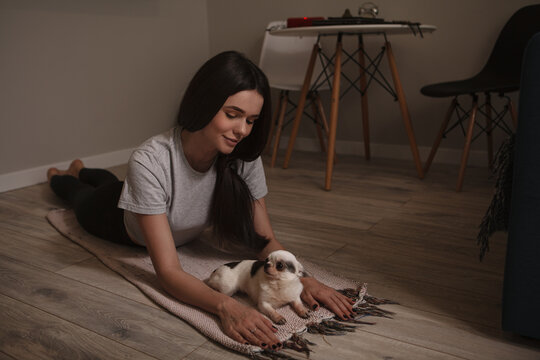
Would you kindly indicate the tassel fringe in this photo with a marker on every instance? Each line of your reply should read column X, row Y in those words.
column 369, row 306
column 498, row 212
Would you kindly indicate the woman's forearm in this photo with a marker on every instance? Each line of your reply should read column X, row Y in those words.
column 172, row 277
column 190, row 290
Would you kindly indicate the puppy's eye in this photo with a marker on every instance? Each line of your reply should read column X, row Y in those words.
column 279, row 266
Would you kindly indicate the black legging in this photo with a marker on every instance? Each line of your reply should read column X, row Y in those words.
column 94, row 197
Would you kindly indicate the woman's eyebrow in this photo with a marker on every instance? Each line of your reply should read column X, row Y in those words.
column 236, row 108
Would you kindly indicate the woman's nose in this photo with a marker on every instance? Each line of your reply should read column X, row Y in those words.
column 242, row 128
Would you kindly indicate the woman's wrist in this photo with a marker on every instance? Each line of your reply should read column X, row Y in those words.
column 224, row 304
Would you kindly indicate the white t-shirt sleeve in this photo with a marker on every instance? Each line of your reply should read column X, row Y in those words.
column 145, row 186
column 253, row 174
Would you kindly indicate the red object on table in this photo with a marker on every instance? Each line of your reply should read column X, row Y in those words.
column 302, row 21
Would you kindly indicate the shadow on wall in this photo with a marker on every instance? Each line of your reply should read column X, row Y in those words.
column 136, row 8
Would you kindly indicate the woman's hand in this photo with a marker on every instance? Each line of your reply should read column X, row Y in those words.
column 316, row 293
column 247, row 326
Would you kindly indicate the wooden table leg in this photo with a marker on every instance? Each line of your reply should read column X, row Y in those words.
column 363, row 88
column 301, row 104
column 333, row 115
column 404, row 110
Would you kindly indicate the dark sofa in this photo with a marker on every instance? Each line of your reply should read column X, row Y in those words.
column 521, row 294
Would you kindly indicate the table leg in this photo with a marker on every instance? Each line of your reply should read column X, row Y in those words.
column 404, row 110
column 301, row 104
column 363, row 94
column 333, row 115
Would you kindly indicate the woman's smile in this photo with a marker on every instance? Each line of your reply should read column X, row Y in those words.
column 231, row 142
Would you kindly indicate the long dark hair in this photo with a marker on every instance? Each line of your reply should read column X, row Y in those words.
column 231, row 213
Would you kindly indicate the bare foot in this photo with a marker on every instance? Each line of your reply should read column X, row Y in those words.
column 75, row 167
column 73, row 170
column 51, row 172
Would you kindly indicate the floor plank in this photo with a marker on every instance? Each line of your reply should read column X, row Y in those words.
column 424, row 330
column 146, row 329
column 92, row 272
column 30, row 333
column 45, row 254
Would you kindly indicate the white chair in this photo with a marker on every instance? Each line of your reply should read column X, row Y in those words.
column 284, row 60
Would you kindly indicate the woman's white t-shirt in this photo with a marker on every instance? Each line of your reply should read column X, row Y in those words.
column 161, row 181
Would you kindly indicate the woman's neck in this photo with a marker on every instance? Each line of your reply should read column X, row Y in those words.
column 198, row 157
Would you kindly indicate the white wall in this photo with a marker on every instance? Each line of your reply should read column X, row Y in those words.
column 467, row 30
column 91, row 79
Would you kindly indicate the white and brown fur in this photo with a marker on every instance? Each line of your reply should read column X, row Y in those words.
column 270, row 284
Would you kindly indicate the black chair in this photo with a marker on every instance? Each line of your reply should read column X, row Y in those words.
column 500, row 75
column 521, row 294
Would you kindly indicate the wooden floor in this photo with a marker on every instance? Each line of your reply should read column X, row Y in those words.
column 411, row 240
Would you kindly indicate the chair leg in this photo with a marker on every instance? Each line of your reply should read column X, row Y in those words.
column 322, row 114
column 301, row 104
column 489, row 131
column 318, row 122
column 279, row 127
column 437, row 142
column 467, row 147
column 273, row 124
column 513, row 112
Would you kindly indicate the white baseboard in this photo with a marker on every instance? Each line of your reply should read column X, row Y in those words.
column 388, row 151
column 28, row 177
column 37, row 175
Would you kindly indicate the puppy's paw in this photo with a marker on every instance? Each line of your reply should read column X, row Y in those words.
column 303, row 313
column 300, row 309
column 278, row 319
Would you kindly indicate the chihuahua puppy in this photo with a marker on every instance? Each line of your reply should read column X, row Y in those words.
column 270, row 284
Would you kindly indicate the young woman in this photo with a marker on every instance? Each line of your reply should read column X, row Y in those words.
column 206, row 171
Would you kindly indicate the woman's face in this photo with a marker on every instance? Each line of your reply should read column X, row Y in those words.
column 234, row 121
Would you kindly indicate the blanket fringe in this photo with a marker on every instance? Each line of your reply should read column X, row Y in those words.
column 377, row 301
column 497, row 215
column 331, row 327
column 300, row 344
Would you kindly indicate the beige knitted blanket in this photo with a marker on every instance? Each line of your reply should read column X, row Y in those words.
column 199, row 259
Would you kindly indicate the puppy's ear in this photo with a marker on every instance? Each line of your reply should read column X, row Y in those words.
column 256, row 266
